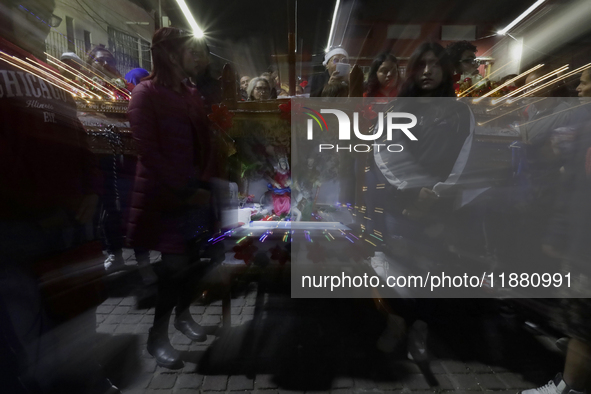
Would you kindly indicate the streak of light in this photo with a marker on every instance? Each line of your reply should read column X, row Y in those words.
column 334, row 19
column 580, row 69
column 516, row 109
column 508, row 82
column 465, row 92
column 38, row 76
column 53, row 60
column 69, row 82
column 520, row 17
column 196, row 29
column 375, row 236
column 532, row 83
column 570, row 73
column 98, row 76
column 37, row 70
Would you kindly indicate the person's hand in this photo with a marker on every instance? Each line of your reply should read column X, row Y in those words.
column 426, row 199
column 87, row 208
column 422, row 205
column 200, row 197
column 336, row 77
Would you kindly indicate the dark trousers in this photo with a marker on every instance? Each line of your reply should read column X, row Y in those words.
column 178, row 276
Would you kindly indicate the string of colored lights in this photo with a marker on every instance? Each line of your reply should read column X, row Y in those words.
column 34, row 68
column 71, row 69
column 97, row 75
column 68, row 81
column 106, row 91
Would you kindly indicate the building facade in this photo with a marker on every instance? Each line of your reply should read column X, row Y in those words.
column 121, row 26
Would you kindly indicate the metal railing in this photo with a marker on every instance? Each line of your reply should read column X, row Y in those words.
column 57, row 43
column 130, row 52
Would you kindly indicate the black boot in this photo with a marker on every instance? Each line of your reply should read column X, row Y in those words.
column 160, row 348
column 184, row 323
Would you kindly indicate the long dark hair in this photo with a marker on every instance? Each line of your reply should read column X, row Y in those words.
column 166, row 41
column 373, row 85
column 446, row 87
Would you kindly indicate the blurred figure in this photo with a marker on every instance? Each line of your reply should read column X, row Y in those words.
column 101, row 61
column 283, row 93
column 273, row 76
column 336, row 89
column 384, row 78
column 420, row 180
column 538, row 165
column 48, row 198
column 23, row 27
column 331, row 75
column 272, row 83
column 243, row 87
column 104, row 66
column 258, row 89
column 574, row 314
column 136, row 75
column 170, row 204
column 72, row 60
column 463, row 58
column 514, row 84
column 118, row 173
column 209, row 87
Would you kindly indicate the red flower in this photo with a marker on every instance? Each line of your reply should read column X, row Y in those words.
column 367, row 111
column 367, row 117
column 280, row 254
column 221, row 117
column 287, row 109
column 245, row 250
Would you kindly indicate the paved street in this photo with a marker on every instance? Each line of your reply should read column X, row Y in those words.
column 281, row 345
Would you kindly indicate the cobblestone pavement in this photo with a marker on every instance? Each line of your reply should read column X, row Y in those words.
column 281, row 345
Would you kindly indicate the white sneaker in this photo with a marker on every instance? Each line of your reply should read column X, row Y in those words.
column 392, row 335
column 114, row 263
column 556, row 386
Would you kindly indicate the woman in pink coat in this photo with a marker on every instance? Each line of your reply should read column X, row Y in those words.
column 175, row 161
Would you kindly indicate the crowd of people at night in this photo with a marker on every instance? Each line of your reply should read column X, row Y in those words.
column 54, row 191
